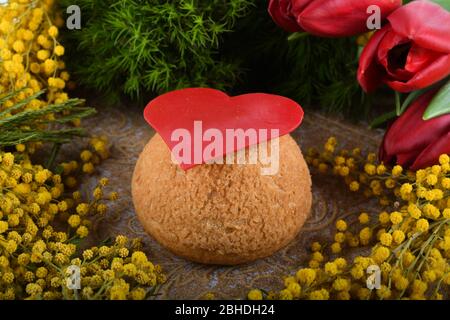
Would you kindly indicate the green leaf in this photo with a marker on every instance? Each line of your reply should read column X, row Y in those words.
column 443, row 3
column 440, row 104
column 411, row 97
column 382, row 119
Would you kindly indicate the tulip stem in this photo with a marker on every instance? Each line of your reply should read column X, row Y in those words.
column 398, row 106
column 297, row 35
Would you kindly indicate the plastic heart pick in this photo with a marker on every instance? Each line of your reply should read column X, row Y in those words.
column 200, row 117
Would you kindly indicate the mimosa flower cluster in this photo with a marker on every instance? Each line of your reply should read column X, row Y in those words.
column 44, row 220
column 33, row 78
column 408, row 240
column 41, row 231
column 30, row 52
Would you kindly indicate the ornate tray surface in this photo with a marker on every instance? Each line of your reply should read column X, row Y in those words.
column 128, row 133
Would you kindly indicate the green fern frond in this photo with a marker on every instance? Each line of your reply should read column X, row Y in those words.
column 138, row 47
column 20, row 125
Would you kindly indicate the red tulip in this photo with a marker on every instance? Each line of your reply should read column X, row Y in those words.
column 413, row 142
column 328, row 18
column 281, row 13
column 411, row 52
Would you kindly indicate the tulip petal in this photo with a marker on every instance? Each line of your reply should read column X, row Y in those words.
column 410, row 132
column 407, row 159
column 425, row 23
column 341, row 18
column 280, row 11
column 419, row 58
column 430, row 155
column 403, row 159
column 298, row 6
column 389, row 46
column 436, row 71
column 370, row 73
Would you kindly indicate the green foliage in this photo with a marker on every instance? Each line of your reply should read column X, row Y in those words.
column 323, row 72
column 18, row 125
column 132, row 47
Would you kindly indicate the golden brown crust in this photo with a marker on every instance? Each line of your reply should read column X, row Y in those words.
column 221, row 214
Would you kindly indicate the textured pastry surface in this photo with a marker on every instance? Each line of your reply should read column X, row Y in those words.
column 221, row 214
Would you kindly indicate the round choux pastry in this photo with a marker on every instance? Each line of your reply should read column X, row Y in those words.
column 220, row 213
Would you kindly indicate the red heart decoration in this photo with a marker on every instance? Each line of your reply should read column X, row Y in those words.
column 179, row 109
